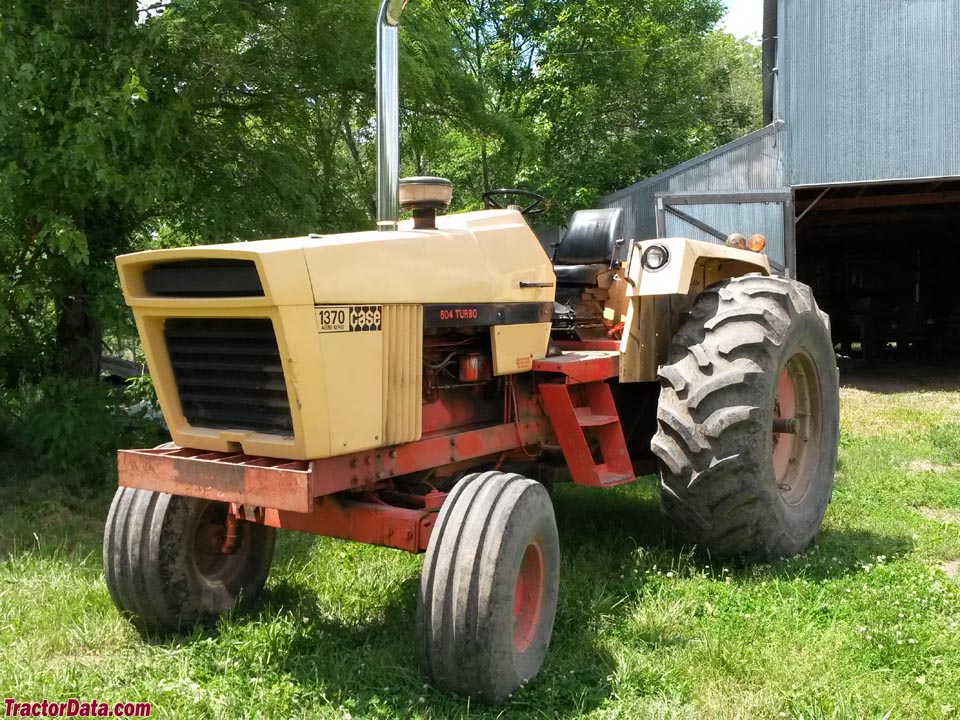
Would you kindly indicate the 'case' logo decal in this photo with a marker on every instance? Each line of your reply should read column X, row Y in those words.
column 349, row 318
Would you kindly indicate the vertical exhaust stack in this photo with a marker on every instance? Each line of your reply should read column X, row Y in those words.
column 769, row 60
column 388, row 113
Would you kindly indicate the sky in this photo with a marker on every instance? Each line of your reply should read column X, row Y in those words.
column 744, row 17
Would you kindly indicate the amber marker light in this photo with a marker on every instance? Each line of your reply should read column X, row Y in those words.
column 757, row 243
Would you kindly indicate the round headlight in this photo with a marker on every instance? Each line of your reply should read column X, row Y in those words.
column 655, row 258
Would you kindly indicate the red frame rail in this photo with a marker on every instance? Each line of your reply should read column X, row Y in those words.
column 293, row 485
column 353, row 496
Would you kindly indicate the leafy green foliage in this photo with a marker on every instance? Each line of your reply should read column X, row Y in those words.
column 578, row 99
column 140, row 389
column 221, row 120
column 75, row 426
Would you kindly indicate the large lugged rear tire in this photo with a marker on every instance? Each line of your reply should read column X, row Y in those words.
column 488, row 592
column 163, row 563
column 755, row 349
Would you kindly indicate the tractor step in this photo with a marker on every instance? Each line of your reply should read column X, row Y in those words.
column 587, row 418
column 585, row 412
column 609, row 479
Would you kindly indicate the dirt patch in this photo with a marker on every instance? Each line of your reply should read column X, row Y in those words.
column 927, row 466
column 951, row 568
column 940, row 515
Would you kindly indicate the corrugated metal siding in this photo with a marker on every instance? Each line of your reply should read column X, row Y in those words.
column 870, row 89
column 750, row 163
column 745, row 218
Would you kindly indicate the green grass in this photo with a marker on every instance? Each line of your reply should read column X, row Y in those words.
column 864, row 624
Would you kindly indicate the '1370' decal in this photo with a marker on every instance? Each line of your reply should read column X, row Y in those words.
column 349, row 318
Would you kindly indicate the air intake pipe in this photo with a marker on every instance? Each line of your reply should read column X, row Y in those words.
column 388, row 113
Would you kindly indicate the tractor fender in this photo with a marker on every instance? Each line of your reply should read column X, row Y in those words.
column 691, row 266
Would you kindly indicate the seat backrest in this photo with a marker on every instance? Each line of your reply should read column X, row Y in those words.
column 591, row 237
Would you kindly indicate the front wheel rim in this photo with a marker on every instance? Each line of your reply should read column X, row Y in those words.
column 528, row 597
column 214, row 565
column 796, row 452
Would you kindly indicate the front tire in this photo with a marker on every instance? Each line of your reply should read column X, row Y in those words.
column 163, row 561
column 488, row 592
column 755, row 355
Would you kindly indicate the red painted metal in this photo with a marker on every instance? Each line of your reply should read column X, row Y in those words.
column 445, row 449
column 292, row 485
column 335, row 496
column 582, row 366
column 474, row 367
column 617, row 467
column 225, row 477
column 231, row 537
column 598, row 415
column 470, row 367
column 528, row 597
column 364, row 518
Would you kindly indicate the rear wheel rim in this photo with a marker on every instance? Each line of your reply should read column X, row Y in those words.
column 796, row 455
column 528, row 597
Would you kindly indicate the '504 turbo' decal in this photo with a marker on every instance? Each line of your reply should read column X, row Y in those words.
column 349, row 318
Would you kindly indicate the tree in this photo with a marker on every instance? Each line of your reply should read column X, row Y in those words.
column 84, row 159
column 208, row 121
column 579, row 98
column 237, row 119
column 733, row 67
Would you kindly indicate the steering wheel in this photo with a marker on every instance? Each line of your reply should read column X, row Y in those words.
column 539, row 204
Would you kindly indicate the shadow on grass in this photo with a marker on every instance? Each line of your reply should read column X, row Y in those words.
column 610, row 540
column 605, row 537
column 42, row 516
column 620, row 523
column 899, row 376
column 371, row 667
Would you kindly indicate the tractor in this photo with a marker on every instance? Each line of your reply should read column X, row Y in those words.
column 422, row 385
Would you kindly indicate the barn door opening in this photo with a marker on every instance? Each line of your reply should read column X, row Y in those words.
column 882, row 260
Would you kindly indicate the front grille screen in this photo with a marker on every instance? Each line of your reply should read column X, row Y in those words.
column 228, row 373
column 206, row 278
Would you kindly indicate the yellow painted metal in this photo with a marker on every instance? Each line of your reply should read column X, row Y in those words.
column 352, row 367
column 351, row 391
column 515, row 347
column 478, row 257
column 657, row 300
column 692, row 263
column 300, row 351
column 402, row 373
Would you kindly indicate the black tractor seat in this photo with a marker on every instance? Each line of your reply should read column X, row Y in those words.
column 578, row 274
column 588, row 247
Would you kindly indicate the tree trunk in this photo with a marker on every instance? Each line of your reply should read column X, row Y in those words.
column 79, row 335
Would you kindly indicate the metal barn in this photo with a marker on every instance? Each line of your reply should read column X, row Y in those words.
column 855, row 181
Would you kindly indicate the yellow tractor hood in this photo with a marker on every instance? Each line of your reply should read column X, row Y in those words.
column 309, row 347
column 478, row 257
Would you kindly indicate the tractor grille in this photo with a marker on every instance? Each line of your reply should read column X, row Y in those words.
column 228, row 373
column 204, row 278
